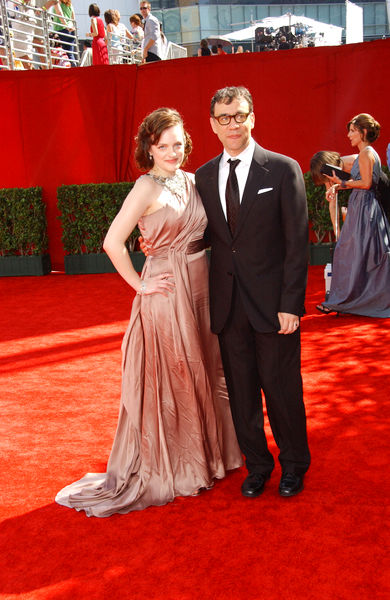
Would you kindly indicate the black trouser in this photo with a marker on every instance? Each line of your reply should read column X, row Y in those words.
column 67, row 39
column 270, row 363
column 151, row 57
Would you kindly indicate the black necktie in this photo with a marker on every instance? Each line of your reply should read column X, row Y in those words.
column 232, row 196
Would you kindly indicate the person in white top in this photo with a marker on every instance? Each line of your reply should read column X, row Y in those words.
column 136, row 29
column 114, row 45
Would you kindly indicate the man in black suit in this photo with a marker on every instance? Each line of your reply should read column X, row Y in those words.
column 258, row 232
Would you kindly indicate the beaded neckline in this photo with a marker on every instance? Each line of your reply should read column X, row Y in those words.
column 175, row 184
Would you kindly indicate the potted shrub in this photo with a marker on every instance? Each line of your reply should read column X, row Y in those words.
column 23, row 233
column 86, row 213
column 320, row 251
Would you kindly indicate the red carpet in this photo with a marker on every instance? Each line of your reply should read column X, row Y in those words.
column 60, row 382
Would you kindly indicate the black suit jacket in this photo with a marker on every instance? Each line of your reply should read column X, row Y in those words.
column 268, row 253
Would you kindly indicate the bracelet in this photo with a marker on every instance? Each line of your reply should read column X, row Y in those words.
column 142, row 288
column 343, row 185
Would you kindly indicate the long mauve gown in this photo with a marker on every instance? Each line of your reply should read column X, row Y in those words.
column 175, row 432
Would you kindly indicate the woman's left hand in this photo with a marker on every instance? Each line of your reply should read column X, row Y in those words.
column 333, row 179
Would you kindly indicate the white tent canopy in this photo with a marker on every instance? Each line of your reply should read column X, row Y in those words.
column 325, row 35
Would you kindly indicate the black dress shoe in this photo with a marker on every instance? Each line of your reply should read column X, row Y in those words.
column 254, row 484
column 290, row 484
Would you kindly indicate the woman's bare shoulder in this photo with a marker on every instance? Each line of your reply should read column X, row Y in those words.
column 143, row 191
column 367, row 153
column 144, row 184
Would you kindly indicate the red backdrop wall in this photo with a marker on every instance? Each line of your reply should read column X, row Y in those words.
column 78, row 125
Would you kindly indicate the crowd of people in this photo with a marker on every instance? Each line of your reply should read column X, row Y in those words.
column 266, row 39
column 112, row 42
column 27, row 33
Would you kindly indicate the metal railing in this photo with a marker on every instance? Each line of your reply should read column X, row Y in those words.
column 128, row 51
column 34, row 38
column 123, row 50
column 175, row 51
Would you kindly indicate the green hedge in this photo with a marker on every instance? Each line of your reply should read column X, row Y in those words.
column 23, row 225
column 87, row 212
column 318, row 208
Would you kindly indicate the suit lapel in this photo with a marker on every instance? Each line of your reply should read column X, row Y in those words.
column 214, row 206
column 257, row 172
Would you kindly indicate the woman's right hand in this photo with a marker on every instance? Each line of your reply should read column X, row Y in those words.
column 159, row 284
column 331, row 192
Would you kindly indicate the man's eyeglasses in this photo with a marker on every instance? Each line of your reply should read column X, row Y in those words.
column 143, row 7
column 238, row 117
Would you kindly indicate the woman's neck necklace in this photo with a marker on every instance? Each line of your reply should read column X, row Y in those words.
column 163, row 175
column 175, row 183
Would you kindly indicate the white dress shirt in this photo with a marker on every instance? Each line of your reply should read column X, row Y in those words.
column 152, row 32
column 242, row 171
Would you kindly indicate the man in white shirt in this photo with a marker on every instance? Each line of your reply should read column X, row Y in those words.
column 151, row 43
column 255, row 203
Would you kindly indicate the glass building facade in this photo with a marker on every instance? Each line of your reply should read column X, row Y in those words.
column 186, row 22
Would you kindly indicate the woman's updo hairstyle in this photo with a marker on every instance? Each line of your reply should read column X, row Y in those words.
column 318, row 160
column 150, row 131
column 366, row 122
column 94, row 10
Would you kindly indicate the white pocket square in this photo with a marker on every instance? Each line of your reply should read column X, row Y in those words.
column 264, row 190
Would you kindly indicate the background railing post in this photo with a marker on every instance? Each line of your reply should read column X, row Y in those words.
column 8, row 56
column 45, row 23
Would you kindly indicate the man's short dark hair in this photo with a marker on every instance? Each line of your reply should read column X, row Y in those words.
column 226, row 95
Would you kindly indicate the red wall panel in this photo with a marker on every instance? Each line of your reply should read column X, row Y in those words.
column 78, row 125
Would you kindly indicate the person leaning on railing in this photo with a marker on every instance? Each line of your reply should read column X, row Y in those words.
column 136, row 29
column 137, row 32
column 114, row 45
column 124, row 34
column 64, row 24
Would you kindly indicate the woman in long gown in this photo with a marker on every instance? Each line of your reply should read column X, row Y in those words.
column 175, row 433
column 361, row 262
column 98, row 34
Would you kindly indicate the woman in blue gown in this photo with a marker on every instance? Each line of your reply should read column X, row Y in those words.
column 361, row 262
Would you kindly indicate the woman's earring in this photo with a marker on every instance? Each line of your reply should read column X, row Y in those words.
column 150, row 157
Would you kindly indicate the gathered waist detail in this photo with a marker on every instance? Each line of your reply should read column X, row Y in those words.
column 192, row 248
